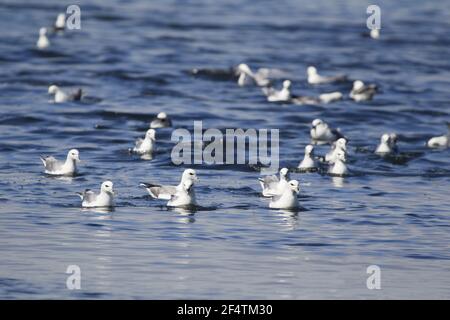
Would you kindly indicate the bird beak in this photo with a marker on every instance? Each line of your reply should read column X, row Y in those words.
column 297, row 189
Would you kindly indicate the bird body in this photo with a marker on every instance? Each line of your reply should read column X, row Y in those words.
column 104, row 199
column 286, row 198
column 69, row 167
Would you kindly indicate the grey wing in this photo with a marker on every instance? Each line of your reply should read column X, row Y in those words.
column 337, row 135
column 304, row 100
column 88, row 196
column 160, row 192
column 76, row 95
column 139, row 143
column 267, row 90
column 269, row 182
column 51, row 164
column 340, row 78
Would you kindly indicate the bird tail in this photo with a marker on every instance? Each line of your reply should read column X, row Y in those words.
column 42, row 159
column 77, row 95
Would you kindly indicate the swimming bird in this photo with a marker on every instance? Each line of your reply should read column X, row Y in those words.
column 375, row 33
column 145, row 145
column 60, row 22
column 104, row 199
column 287, row 197
column 339, row 168
column 315, row 78
column 69, row 167
column 308, row 161
column 43, row 41
column 246, row 75
column 322, row 98
column 282, row 95
column 330, row 97
column 271, row 184
column 184, row 195
column 166, row 192
column 362, row 92
column 337, row 146
column 61, row 96
column 387, row 144
column 321, row 133
column 161, row 121
column 441, row 141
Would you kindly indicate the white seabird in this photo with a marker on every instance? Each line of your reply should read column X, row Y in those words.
column 323, row 98
column 387, row 144
column 339, row 145
column 271, row 184
column 315, row 78
column 441, row 141
column 282, row 95
column 42, row 42
column 374, row 33
column 69, row 167
column 339, row 168
column 166, row 192
column 104, row 199
column 184, row 195
column 145, row 145
column 246, row 75
column 362, row 92
column 61, row 96
column 308, row 161
column 60, row 22
column 286, row 198
column 321, row 133
column 161, row 121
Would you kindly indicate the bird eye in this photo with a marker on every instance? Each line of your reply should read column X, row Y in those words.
column 191, row 173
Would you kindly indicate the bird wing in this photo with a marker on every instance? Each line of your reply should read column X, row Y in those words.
column 51, row 164
column 159, row 192
column 269, row 181
column 139, row 143
column 76, row 95
column 87, row 196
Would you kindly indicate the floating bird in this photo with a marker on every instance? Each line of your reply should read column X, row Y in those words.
column 166, row 192
column 286, row 198
column 43, row 41
column 104, row 199
column 60, row 23
column 315, row 78
column 323, row 98
column 321, row 133
column 339, row 168
column 184, row 195
column 375, row 33
column 361, row 92
column 246, row 75
column 61, row 96
column 67, row 168
column 271, row 184
column 441, row 141
column 308, row 161
column 274, row 95
column 330, row 97
column 339, row 145
column 145, row 145
column 387, row 144
column 161, row 121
